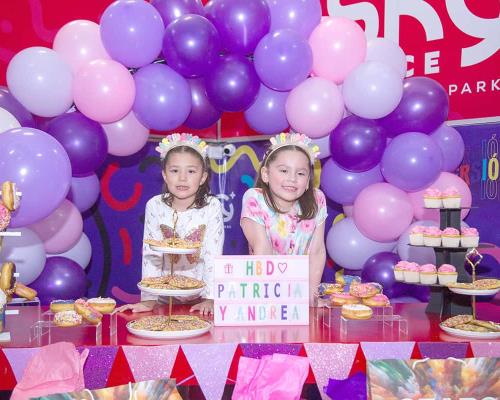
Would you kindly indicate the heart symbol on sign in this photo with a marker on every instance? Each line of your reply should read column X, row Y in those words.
column 282, row 267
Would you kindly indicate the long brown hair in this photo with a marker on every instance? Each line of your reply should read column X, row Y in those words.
column 203, row 193
column 307, row 202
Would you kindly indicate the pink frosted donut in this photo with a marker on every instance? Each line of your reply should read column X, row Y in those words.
column 4, row 217
column 363, row 290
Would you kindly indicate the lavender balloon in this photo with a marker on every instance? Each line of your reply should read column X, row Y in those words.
column 84, row 191
column 343, row 186
column 41, row 168
column 191, row 45
column 452, row 146
column 423, row 107
column 163, row 97
column 83, row 139
column 233, row 84
column 412, row 161
column 300, row 15
column 380, row 268
column 267, row 114
column 357, row 144
column 9, row 102
column 283, row 59
column 420, row 255
column 203, row 114
column 170, row 10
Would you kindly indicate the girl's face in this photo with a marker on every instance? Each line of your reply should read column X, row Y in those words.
column 288, row 177
column 183, row 175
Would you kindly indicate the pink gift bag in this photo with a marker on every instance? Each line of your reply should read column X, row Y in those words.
column 276, row 377
column 56, row 368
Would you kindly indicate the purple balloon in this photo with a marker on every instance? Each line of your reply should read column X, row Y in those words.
column 40, row 167
column 343, row 186
column 191, row 45
column 203, row 114
column 84, row 191
column 10, row 103
column 423, row 108
column 241, row 23
column 162, row 99
column 131, row 32
column 380, row 268
column 83, row 139
column 452, row 146
column 412, row 161
column 300, row 15
column 357, row 144
column 267, row 114
column 61, row 278
column 232, row 84
column 283, row 59
column 170, row 10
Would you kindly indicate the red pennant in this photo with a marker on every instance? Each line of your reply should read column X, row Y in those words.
column 233, row 368
column 7, row 377
column 359, row 364
column 310, row 375
column 469, row 353
column 182, row 370
column 416, row 355
column 120, row 373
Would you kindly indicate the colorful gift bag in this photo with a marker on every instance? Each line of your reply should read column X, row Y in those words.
column 469, row 378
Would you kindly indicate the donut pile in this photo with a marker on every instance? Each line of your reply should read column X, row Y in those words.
column 69, row 313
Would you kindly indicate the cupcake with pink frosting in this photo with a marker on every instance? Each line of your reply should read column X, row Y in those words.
column 417, row 235
column 432, row 198
column 470, row 237
column 412, row 273
column 428, row 274
column 399, row 269
column 447, row 274
column 451, row 198
column 432, row 236
column 450, row 237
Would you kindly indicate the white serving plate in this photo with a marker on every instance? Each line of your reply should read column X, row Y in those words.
column 468, row 334
column 474, row 292
column 170, row 292
column 172, row 250
column 168, row 334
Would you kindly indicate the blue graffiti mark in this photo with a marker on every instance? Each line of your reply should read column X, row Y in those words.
column 247, row 180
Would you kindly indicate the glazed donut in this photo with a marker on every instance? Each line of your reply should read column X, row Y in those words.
column 62, row 305
column 379, row 300
column 363, row 290
column 24, row 291
column 9, row 195
column 7, row 280
column 356, row 311
column 105, row 305
column 67, row 318
column 339, row 299
column 87, row 312
column 4, row 217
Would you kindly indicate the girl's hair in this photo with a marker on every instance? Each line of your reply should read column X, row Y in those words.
column 307, row 202
column 203, row 193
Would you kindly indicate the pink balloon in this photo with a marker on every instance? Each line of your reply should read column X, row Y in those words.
column 338, row 45
column 382, row 212
column 444, row 181
column 314, row 107
column 104, row 90
column 61, row 230
column 126, row 136
column 79, row 42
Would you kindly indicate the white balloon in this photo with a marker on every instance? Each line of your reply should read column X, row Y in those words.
column 7, row 121
column 80, row 253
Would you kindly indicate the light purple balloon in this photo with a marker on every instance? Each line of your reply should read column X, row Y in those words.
column 84, row 191
column 132, row 32
column 412, row 161
column 40, row 167
column 387, row 52
column 203, row 114
column 162, row 99
column 347, row 246
column 283, row 59
column 343, row 186
column 300, row 15
column 420, row 255
column 80, row 253
column 452, row 146
column 267, row 114
column 241, row 23
column 324, row 146
column 9, row 102
column 170, row 10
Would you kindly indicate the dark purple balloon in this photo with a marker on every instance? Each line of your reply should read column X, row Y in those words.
column 423, row 108
column 61, row 278
column 380, row 268
column 83, row 139
column 241, row 23
column 191, row 45
column 267, row 114
column 170, row 10
column 300, row 15
column 203, row 114
column 232, row 84
column 9, row 102
column 357, row 144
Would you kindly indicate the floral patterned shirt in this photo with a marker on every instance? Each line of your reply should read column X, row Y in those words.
column 286, row 233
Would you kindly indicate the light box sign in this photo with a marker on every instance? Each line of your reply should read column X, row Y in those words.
column 261, row 290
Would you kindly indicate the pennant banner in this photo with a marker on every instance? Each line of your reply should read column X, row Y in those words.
column 387, row 350
column 486, row 349
column 19, row 358
column 151, row 362
column 98, row 365
column 440, row 350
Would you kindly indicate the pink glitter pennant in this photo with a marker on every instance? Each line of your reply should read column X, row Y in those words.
column 483, row 349
column 330, row 360
column 151, row 362
column 18, row 359
column 210, row 364
column 387, row 350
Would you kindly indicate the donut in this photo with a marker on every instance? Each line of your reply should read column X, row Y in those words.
column 67, row 318
column 363, row 290
column 87, row 312
column 24, row 291
column 62, row 305
column 9, row 195
column 4, row 217
column 105, row 305
column 379, row 300
column 339, row 299
column 356, row 311
column 7, row 280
